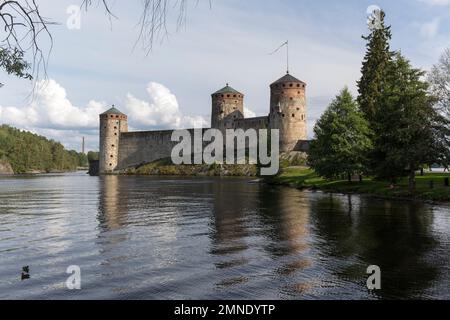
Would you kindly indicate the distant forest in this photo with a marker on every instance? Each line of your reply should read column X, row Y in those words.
column 28, row 152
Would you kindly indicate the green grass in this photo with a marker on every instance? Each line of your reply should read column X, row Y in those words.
column 305, row 178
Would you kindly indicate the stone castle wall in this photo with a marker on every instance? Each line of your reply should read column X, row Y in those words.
column 288, row 113
column 138, row 148
column 111, row 127
column 252, row 123
column 226, row 108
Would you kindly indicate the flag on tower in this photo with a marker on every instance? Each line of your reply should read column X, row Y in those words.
column 286, row 44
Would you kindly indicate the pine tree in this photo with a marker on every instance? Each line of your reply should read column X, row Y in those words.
column 375, row 62
column 342, row 140
column 406, row 126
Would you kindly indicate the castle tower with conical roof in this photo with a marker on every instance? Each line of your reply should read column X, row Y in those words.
column 288, row 111
column 227, row 107
column 112, row 124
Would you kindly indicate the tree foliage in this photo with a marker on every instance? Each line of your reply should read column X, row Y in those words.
column 342, row 139
column 439, row 79
column 22, row 33
column 12, row 61
column 374, row 67
column 407, row 129
column 26, row 152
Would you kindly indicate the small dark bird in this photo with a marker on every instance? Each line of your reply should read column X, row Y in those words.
column 25, row 276
column 25, row 273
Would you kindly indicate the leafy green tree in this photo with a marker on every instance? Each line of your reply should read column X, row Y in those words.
column 342, row 139
column 27, row 152
column 408, row 131
column 439, row 79
column 374, row 67
column 12, row 61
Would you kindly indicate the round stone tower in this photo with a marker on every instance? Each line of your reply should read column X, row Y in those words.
column 112, row 124
column 227, row 106
column 288, row 111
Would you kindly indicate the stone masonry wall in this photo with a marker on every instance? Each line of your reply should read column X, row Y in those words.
column 138, row 148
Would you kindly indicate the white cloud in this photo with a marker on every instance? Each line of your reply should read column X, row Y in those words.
column 161, row 111
column 430, row 29
column 53, row 115
column 249, row 113
column 51, row 109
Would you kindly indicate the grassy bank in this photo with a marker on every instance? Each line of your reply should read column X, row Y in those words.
column 304, row 178
column 166, row 168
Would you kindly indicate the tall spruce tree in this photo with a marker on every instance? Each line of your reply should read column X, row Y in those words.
column 373, row 71
column 407, row 129
column 342, row 140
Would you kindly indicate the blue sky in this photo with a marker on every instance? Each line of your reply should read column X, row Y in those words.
column 96, row 66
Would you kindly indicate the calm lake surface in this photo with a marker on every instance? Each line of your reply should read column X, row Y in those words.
column 211, row 238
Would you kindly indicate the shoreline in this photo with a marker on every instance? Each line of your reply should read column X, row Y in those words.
column 302, row 178
column 36, row 172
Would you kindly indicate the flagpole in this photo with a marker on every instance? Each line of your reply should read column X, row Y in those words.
column 287, row 53
column 287, row 45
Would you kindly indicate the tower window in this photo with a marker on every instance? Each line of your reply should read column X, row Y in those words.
column 115, row 133
column 298, row 109
column 284, row 85
column 112, row 146
column 228, row 95
column 291, row 98
column 234, row 96
column 293, row 115
column 110, row 164
column 115, row 128
column 291, row 85
column 298, row 85
column 283, row 115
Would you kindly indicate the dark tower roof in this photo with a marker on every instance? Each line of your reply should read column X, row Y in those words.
column 288, row 78
column 227, row 89
column 113, row 110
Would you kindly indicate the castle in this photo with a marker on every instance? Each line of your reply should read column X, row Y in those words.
column 120, row 149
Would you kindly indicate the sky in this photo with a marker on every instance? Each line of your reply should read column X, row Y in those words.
column 103, row 64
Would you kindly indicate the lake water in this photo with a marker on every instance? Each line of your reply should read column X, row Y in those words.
column 212, row 238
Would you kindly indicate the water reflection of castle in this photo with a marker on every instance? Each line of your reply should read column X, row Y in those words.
column 279, row 233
